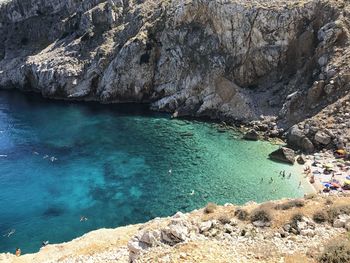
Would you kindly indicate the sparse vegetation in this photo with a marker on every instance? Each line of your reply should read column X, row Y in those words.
column 310, row 196
column 336, row 252
column 298, row 217
column 335, row 211
column 290, row 204
column 210, row 208
column 320, row 217
column 241, row 214
column 261, row 214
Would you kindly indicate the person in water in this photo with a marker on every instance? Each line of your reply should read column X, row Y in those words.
column 83, row 218
column 18, row 252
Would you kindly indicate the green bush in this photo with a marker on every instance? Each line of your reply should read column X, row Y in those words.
column 290, row 204
column 260, row 214
column 241, row 214
column 320, row 217
column 210, row 208
column 337, row 252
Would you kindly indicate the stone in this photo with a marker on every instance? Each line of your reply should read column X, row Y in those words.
column 151, row 237
column 228, row 228
column 283, row 154
column 301, row 159
column 297, row 139
column 205, row 226
column 315, row 92
column 307, row 232
column 347, row 225
column 251, row 135
column 322, row 138
column 261, row 224
column 339, row 223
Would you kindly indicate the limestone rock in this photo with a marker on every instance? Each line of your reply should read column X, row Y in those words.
column 251, row 135
column 322, row 138
column 283, row 154
column 297, row 139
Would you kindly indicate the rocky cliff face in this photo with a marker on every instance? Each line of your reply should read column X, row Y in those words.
column 226, row 59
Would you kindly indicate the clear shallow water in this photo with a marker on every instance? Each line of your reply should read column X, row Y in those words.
column 113, row 167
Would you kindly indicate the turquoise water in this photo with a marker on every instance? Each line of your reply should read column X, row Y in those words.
column 61, row 160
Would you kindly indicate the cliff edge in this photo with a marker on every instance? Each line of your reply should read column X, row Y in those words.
column 273, row 64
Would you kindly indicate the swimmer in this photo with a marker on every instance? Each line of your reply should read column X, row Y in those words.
column 36, row 153
column 53, row 158
column 170, row 171
column 46, row 156
column 192, row 193
column 271, row 180
column 299, row 184
column 10, row 233
column 261, row 180
column 284, row 174
column 83, row 218
column 289, row 175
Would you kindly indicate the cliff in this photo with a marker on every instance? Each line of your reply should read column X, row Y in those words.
column 279, row 231
column 232, row 60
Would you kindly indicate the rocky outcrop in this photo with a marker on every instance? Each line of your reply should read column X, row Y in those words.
column 218, row 236
column 233, row 60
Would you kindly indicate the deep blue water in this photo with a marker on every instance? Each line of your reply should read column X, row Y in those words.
column 62, row 160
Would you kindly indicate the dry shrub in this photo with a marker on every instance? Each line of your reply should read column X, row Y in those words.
column 320, row 217
column 224, row 219
column 336, row 252
column 335, row 211
column 260, row 214
column 210, row 208
column 290, row 204
column 241, row 214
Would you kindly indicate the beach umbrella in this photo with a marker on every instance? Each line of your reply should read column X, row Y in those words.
column 341, row 151
column 327, row 185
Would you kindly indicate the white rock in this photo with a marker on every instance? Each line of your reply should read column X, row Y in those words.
column 205, row 226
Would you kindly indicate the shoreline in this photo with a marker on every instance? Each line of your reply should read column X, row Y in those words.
column 317, row 162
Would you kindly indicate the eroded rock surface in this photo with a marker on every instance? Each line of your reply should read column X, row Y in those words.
column 233, row 59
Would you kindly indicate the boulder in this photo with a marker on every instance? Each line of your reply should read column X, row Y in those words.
column 283, row 154
column 251, row 135
column 322, row 138
column 297, row 139
column 205, row 226
column 261, row 223
column 301, row 159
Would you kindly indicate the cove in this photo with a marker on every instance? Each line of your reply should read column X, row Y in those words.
column 117, row 165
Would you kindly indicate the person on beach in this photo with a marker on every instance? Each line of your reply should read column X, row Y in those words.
column 18, row 252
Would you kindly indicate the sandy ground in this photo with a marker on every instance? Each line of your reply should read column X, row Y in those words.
column 317, row 163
